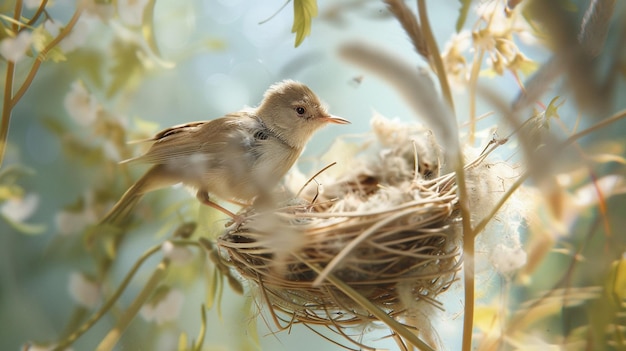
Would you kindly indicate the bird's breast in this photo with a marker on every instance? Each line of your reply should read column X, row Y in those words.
column 249, row 164
column 273, row 159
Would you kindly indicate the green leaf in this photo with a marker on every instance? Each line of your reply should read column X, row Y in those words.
column 616, row 282
column 41, row 39
column 463, row 11
column 127, row 67
column 89, row 63
column 552, row 110
column 212, row 280
column 8, row 191
column 251, row 326
column 303, row 13
column 25, row 228
column 4, row 31
column 202, row 333
column 182, row 342
column 145, row 126
column 11, row 173
column 219, row 294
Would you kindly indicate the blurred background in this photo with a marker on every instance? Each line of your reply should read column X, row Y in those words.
column 69, row 130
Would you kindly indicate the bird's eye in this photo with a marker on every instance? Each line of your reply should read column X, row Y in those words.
column 300, row 110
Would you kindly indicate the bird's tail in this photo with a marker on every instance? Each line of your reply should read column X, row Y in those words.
column 152, row 180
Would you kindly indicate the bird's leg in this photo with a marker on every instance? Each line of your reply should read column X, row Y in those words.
column 203, row 197
column 239, row 203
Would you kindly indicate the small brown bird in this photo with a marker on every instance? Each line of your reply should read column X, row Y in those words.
column 236, row 157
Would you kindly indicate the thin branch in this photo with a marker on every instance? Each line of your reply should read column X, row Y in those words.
column 8, row 87
column 109, row 341
column 313, row 178
column 42, row 56
column 9, row 100
column 434, row 53
column 275, row 13
column 40, row 10
column 107, row 306
column 570, row 140
column 6, row 108
column 468, row 234
column 17, row 14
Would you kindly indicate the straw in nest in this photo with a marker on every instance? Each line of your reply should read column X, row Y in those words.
column 386, row 225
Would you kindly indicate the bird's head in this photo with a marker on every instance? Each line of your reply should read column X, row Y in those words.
column 293, row 111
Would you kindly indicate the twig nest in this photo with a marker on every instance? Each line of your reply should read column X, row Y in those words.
column 385, row 224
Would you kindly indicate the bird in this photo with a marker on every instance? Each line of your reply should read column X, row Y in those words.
column 236, row 157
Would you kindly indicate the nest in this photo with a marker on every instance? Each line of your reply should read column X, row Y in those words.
column 386, row 225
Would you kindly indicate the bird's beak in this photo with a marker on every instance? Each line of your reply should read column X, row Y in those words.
column 335, row 119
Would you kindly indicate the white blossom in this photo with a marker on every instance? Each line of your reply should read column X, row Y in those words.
column 102, row 10
column 81, row 105
column 506, row 259
column 14, row 49
column 84, row 291
column 165, row 309
column 111, row 151
column 177, row 254
column 69, row 222
column 131, row 11
column 19, row 209
column 167, row 340
column 76, row 37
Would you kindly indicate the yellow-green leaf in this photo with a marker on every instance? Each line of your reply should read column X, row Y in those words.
column 8, row 191
column 10, row 174
column 4, row 31
column 147, row 27
column 552, row 111
column 463, row 11
column 252, row 342
column 25, row 228
column 145, row 126
column 5, row 192
column 127, row 68
column 182, row 342
column 303, row 13
column 212, row 280
column 88, row 63
column 41, row 39
column 616, row 284
column 486, row 317
column 202, row 333
column 214, row 44
column 220, row 291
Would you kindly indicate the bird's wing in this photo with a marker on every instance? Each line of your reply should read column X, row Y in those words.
column 168, row 131
column 181, row 142
column 181, row 128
